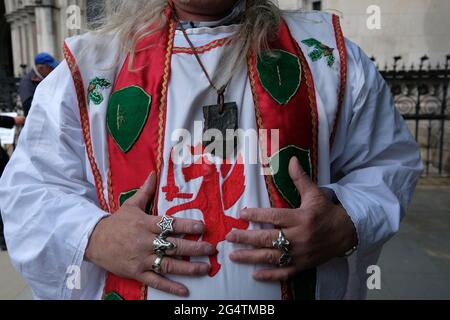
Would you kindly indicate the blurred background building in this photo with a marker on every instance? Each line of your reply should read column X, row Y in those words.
column 36, row 26
column 409, row 28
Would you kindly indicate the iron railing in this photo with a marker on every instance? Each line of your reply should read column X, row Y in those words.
column 422, row 96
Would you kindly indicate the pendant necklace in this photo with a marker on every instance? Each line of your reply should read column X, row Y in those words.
column 221, row 117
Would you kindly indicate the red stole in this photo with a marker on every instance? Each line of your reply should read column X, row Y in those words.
column 296, row 118
column 129, row 170
column 297, row 122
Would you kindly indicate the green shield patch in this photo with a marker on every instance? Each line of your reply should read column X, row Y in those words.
column 112, row 296
column 279, row 164
column 127, row 114
column 280, row 74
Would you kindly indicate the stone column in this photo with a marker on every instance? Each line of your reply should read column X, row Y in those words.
column 30, row 41
column 24, row 44
column 46, row 32
column 16, row 47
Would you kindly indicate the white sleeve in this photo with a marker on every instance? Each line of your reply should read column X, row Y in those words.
column 48, row 203
column 375, row 160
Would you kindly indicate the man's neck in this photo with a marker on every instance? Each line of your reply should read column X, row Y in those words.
column 186, row 16
column 185, row 13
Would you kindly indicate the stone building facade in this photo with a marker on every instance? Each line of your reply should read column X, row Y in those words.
column 409, row 28
column 40, row 25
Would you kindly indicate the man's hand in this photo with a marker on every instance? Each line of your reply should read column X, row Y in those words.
column 318, row 232
column 123, row 245
column 19, row 121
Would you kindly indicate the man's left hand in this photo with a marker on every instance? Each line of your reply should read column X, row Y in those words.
column 19, row 121
column 318, row 231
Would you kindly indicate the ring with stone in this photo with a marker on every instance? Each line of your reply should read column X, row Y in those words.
column 156, row 267
column 162, row 245
column 166, row 226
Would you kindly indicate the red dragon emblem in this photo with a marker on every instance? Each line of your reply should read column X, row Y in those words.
column 212, row 200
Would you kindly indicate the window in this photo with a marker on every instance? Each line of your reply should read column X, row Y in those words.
column 317, row 5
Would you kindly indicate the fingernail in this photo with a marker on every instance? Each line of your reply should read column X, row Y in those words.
column 258, row 277
column 205, row 268
column 298, row 163
column 244, row 214
column 198, row 227
column 149, row 178
column 233, row 256
column 231, row 237
column 183, row 292
column 209, row 249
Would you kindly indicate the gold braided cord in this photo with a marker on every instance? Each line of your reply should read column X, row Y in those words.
column 84, row 120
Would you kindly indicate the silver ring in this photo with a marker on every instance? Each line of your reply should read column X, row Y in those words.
column 166, row 226
column 283, row 244
column 156, row 267
column 161, row 245
column 285, row 260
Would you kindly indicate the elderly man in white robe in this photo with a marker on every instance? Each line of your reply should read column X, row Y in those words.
column 94, row 189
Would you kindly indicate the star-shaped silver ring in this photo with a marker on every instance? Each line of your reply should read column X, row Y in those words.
column 166, row 226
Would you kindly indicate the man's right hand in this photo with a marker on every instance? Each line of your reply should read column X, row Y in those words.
column 123, row 245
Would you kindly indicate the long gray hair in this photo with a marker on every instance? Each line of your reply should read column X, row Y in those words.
column 133, row 20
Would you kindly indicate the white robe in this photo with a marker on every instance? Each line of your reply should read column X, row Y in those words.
column 50, row 207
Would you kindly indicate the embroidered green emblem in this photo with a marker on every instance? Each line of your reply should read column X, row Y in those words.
column 127, row 195
column 279, row 164
column 94, row 88
column 112, row 296
column 280, row 74
column 127, row 114
column 320, row 51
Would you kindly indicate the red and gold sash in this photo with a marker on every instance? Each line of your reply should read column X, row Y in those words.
column 297, row 122
column 129, row 170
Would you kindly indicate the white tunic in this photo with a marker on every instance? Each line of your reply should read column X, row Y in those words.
column 50, row 207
